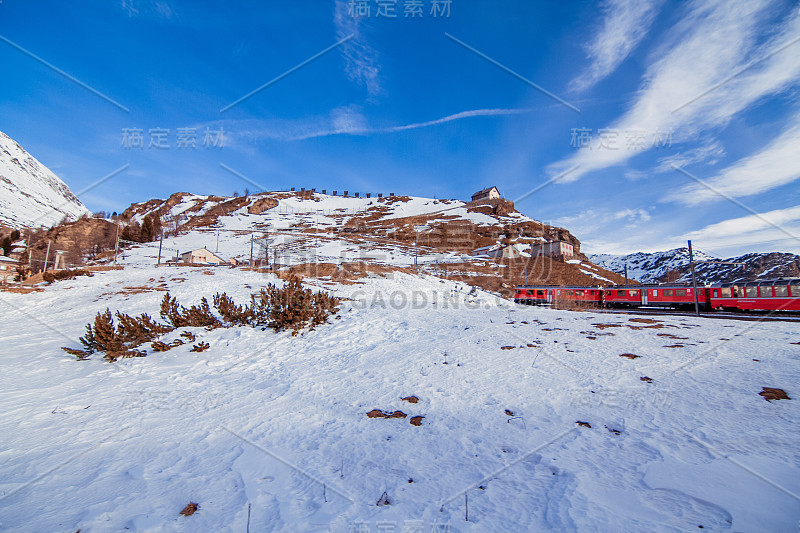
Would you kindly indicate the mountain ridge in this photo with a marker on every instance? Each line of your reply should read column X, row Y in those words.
column 673, row 266
column 32, row 195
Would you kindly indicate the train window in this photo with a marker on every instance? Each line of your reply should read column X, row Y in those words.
column 568, row 292
column 680, row 292
column 667, row 292
column 529, row 292
column 578, row 293
column 620, row 293
column 654, row 292
column 780, row 291
column 633, row 293
column 715, row 293
column 748, row 292
column 540, row 293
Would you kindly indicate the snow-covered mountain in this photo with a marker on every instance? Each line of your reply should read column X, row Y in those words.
column 673, row 265
column 30, row 194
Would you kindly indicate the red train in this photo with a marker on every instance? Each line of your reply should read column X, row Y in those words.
column 766, row 295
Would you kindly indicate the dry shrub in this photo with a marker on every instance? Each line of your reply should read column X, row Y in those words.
column 235, row 315
column 292, row 307
column 164, row 347
column 566, row 304
column 118, row 340
column 770, row 394
column 190, row 509
column 57, row 275
column 179, row 316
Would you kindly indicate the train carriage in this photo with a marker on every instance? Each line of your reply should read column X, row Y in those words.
column 548, row 294
column 675, row 296
column 534, row 294
column 766, row 295
column 579, row 294
column 623, row 296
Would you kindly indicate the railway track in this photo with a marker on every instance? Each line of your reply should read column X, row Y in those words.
column 753, row 316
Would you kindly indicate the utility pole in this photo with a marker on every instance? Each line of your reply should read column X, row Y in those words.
column 251, row 249
column 47, row 256
column 160, row 243
column 116, row 244
column 526, row 274
column 416, row 247
column 626, row 272
column 216, row 250
column 694, row 281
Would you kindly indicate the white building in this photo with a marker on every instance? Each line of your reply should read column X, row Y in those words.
column 553, row 249
column 497, row 251
column 203, row 256
column 490, row 193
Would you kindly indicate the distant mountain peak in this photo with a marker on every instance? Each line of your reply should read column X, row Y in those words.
column 673, row 266
column 30, row 194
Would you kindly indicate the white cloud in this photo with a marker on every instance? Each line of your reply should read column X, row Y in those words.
column 724, row 57
column 776, row 164
column 625, row 23
column 347, row 120
column 751, row 230
column 736, row 227
column 709, row 153
column 361, row 60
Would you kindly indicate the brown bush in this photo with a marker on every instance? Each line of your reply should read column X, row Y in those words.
column 289, row 307
column 292, row 307
column 57, row 275
column 118, row 340
column 235, row 315
column 179, row 316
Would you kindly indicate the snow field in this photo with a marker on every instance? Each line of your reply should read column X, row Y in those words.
column 279, row 422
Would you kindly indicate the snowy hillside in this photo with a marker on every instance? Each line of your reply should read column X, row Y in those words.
column 533, row 418
column 673, row 265
column 30, row 194
column 294, row 228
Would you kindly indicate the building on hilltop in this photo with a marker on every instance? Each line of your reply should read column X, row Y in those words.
column 560, row 249
column 498, row 251
column 491, row 193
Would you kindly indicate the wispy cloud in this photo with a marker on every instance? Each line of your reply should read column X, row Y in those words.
column 361, row 60
column 625, row 23
column 155, row 9
column 347, row 120
column 775, row 165
column 758, row 229
column 682, row 90
column 709, row 153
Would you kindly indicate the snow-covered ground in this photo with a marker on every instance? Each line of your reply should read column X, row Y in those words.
column 272, row 429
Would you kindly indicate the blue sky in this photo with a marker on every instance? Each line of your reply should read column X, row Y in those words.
column 590, row 105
